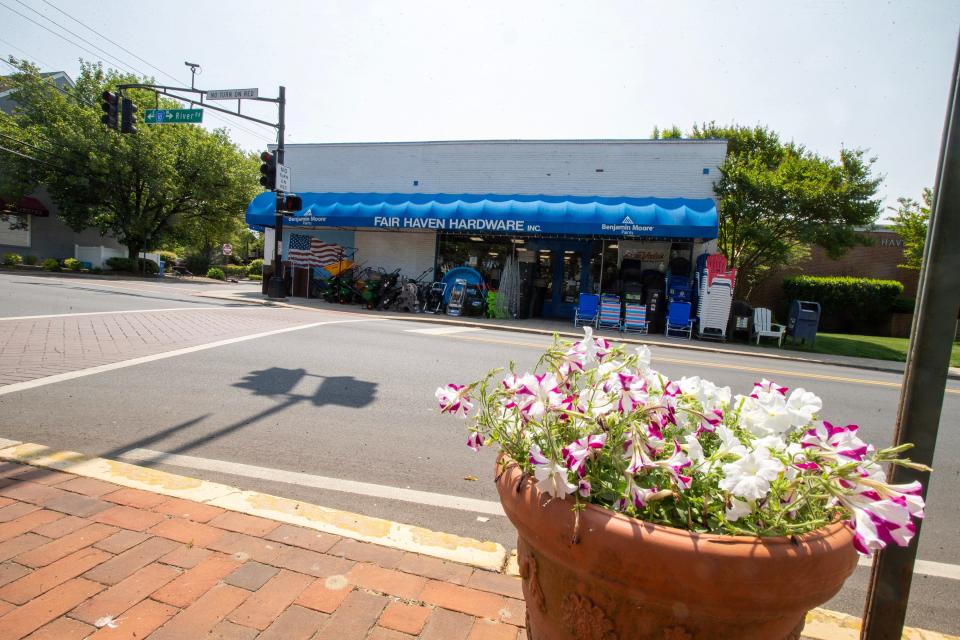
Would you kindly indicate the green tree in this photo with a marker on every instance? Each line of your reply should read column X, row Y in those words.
column 777, row 199
column 910, row 223
column 138, row 188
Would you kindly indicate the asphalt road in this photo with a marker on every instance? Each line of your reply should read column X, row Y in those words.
column 354, row 401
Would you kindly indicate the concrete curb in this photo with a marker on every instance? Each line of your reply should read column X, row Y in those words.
column 429, row 318
column 821, row 624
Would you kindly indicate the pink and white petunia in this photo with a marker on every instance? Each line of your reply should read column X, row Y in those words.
column 538, row 394
column 552, row 479
column 584, row 488
column 710, row 420
column 576, row 453
column 475, row 440
column 836, row 442
column 767, row 386
column 590, row 349
column 675, row 464
column 536, row 456
column 644, row 443
column 638, row 496
column 629, row 389
column 454, row 400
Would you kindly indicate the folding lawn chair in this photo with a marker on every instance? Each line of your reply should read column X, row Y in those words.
column 635, row 318
column 610, row 312
column 678, row 320
column 764, row 327
column 588, row 310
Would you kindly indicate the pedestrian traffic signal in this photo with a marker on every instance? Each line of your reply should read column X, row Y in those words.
column 269, row 171
column 109, row 106
column 127, row 115
column 292, row 203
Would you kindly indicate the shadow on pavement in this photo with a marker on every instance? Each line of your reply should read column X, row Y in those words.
column 277, row 383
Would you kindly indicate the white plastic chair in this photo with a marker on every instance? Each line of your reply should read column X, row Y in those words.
column 764, row 327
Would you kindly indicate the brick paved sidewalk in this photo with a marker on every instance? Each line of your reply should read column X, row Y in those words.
column 85, row 558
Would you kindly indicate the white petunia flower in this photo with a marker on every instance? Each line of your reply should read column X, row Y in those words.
column 751, row 475
column 737, row 509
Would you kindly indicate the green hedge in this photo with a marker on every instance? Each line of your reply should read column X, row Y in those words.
column 130, row 265
column 256, row 267
column 11, row 259
column 846, row 304
column 216, row 273
column 235, row 270
column 51, row 264
column 72, row 264
column 197, row 264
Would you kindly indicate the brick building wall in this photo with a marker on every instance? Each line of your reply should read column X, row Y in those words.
column 879, row 260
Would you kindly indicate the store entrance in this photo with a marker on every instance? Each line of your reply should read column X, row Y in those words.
column 562, row 272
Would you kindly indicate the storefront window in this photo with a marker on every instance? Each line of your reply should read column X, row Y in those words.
column 571, row 276
column 486, row 254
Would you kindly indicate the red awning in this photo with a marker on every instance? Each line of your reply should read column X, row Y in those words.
column 25, row 206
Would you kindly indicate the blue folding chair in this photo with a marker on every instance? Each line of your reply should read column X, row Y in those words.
column 678, row 320
column 635, row 318
column 588, row 310
column 609, row 312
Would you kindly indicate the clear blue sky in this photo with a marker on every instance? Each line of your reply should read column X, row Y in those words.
column 862, row 74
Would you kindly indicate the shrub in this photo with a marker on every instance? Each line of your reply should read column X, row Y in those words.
column 72, row 264
column 51, row 264
column 11, row 259
column 151, row 268
column 31, row 260
column 904, row 305
column 256, row 266
column 168, row 256
column 197, row 264
column 857, row 304
column 235, row 270
column 255, row 276
column 216, row 273
column 122, row 264
column 96, row 270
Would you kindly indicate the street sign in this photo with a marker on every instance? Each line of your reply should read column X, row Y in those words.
column 232, row 94
column 283, row 178
column 172, row 116
column 227, row 249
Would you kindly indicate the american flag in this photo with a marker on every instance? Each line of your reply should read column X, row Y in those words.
column 307, row 251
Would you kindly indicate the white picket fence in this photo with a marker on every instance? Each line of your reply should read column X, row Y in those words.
column 97, row 256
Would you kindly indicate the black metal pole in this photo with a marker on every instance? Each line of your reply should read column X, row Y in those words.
column 921, row 398
column 276, row 288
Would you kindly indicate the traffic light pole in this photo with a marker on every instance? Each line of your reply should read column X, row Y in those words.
column 275, row 288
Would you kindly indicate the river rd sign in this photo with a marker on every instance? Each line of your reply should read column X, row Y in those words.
column 172, row 116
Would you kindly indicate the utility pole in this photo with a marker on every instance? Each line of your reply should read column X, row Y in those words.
column 921, row 397
column 276, row 288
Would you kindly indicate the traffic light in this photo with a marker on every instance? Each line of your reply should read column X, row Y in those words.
column 109, row 106
column 127, row 116
column 269, row 171
column 292, row 203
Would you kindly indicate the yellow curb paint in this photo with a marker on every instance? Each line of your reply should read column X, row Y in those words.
column 512, row 568
column 477, row 553
column 4, row 443
column 121, row 473
column 823, row 624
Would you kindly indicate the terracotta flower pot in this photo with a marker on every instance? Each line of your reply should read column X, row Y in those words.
column 630, row 580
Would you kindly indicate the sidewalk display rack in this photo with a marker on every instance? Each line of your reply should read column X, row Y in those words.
column 715, row 285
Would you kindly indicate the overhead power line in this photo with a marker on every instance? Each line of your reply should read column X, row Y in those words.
column 59, row 35
column 13, row 46
column 126, row 67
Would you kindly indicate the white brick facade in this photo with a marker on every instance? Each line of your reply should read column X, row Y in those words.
column 633, row 168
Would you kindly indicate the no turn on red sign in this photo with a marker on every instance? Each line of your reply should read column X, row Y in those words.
column 227, row 249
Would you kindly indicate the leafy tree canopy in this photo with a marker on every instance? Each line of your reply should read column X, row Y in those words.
column 910, row 223
column 777, row 198
column 140, row 188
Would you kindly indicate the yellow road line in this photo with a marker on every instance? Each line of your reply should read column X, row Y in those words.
column 717, row 365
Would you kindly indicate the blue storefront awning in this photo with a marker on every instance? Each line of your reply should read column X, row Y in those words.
column 504, row 214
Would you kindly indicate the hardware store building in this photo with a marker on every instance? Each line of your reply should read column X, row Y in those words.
column 568, row 211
